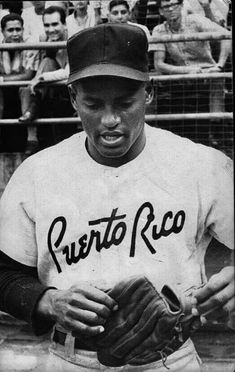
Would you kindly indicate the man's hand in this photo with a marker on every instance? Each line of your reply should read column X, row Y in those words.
column 215, row 68
column 216, row 300
column 34, row 82
column 194, row 70
column 82, row 309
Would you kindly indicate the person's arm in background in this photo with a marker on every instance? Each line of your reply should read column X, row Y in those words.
column 26, row 75
column 225, row 51
column 225, row 44
column 161, row 67
column 49, row 76
column 214, row 16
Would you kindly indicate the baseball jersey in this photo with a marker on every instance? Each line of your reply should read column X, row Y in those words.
column 76, row 220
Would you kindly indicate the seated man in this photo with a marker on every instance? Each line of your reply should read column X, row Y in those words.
column 119, row 12
column 53, row 67
column 189, row 57
column 15, row 65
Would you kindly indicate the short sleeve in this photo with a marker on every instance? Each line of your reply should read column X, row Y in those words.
column 156, row 33
column 220, row 190
column 17, row 217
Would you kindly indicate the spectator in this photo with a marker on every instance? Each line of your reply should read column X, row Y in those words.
column 190, row 57
column 215, row 10
column 64, row 4
column 83, row 17
column 53, row 67
column 15, row 65
column 119, row 12
column 32, row 17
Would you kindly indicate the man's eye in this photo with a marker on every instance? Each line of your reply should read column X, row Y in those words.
column 92, row 106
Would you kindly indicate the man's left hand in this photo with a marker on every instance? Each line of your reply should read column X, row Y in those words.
column 216, row 300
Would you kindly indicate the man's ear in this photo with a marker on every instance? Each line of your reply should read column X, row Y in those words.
column 72, row 93
column 149, row 92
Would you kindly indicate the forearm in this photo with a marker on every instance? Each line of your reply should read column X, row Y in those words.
column 167, row 69
column 225, row 50
column 209, row 14
column 20, row 291
column 19, row 77
column 57, row 75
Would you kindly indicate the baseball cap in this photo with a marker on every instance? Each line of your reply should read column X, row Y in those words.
column 109, row 49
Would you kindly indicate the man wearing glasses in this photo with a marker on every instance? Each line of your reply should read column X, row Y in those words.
column 190, row 57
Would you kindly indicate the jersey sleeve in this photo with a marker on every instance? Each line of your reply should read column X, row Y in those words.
column 219, row 190
column 17, row 217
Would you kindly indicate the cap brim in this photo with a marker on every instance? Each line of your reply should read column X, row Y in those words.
column 104, row 69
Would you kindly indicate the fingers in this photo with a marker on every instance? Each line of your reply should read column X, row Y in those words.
column 220, row 312
column 215, row 301
column 83, row 309
column 217, row 283
column 93, row 299
column 86, row 316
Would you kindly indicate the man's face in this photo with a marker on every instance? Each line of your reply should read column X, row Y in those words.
column 112, row 111
column 13, row 32
column 119, row 14
column 80, row 4
column 53, row 26
column 170, row 9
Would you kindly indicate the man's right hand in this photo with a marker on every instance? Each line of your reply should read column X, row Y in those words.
column 81, row 309
column 194, row 70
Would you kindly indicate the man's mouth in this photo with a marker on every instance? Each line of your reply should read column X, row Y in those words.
column 111, row 139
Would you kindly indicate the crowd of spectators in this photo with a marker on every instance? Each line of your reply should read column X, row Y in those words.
column 58, row 20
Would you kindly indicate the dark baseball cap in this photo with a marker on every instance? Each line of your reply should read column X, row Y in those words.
column 109, row 49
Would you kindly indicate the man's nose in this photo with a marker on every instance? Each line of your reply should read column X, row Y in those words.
column 110, row 119
column 51, row 29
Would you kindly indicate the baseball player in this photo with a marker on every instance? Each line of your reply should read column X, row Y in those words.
column 116, row 201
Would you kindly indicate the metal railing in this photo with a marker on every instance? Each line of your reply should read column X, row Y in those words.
column 153, row 76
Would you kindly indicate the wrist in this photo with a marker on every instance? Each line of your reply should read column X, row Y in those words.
column 44, row 306
column 220, row 67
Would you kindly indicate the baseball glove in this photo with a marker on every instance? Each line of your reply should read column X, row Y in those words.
column 148, row 326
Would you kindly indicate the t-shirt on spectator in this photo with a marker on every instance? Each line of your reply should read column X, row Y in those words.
column 84, row 16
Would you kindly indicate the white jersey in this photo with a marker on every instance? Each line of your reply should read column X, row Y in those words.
column 76, row 220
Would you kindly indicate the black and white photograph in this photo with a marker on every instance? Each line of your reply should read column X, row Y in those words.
column 116, row 186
